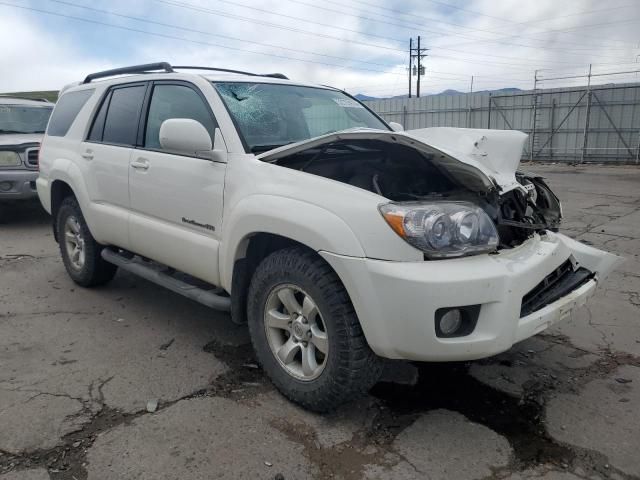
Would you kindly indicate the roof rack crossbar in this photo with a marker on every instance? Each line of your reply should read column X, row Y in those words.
column 193, row 67
column 166, row 67
column 146, row 68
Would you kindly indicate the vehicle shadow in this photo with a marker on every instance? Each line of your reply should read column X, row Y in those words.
column 23, row 214
column 450, row 386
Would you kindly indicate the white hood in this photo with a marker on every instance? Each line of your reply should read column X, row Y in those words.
column 477, row 158
column 496, row 153
column 16, row 139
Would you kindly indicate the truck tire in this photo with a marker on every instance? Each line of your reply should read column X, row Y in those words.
column 305, row 332
column 80, row 252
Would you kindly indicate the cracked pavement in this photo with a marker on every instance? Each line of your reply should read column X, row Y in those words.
column 78, row 368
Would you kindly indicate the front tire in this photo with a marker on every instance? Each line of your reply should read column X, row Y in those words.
column 305, row 331
column 80, row 252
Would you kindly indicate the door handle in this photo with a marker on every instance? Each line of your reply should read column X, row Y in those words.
column 88, row 155
column 140, row 164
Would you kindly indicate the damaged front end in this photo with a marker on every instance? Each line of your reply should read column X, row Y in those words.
column 458, row 169
column 519, row 213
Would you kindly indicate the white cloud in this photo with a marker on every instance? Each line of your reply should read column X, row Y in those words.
column 35, row 59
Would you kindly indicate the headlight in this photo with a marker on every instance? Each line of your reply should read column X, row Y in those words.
column 442, row 229
column 9, row 159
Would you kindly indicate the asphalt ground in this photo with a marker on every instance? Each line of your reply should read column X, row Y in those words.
column 79, row 369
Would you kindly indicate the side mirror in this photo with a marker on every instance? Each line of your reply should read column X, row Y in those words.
column 396, row 127
column 185, row 136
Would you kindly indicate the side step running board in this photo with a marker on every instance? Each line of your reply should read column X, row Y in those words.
column 154, row 273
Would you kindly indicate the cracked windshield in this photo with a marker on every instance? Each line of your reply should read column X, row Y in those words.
column 271, row 115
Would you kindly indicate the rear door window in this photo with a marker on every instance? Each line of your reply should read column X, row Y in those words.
column 121, row 122
column 66, row 111
column 95, row 135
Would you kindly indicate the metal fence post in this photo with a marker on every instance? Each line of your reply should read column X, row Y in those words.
column 534, row 115
column 489, row 119
column 585, row 137
column 469, row 100
column 552, row 121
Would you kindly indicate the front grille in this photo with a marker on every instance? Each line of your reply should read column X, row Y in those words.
column 554, row 286
column 32, row 157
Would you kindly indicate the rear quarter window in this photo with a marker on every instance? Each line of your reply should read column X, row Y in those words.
column 66, row 111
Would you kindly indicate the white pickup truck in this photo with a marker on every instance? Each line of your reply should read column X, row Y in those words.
column 22, row 123
column 337, row 237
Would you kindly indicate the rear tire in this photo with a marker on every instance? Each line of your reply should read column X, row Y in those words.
column 80, row 252
column 305, row 332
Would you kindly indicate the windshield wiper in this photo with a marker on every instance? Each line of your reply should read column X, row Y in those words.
column 266, row 148
column 9, row 131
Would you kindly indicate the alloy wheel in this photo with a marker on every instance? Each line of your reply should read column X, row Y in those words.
column 296, row 333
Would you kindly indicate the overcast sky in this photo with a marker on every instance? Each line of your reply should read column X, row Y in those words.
column 360, row 45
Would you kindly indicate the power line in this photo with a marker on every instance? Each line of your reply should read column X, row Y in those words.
column 187, row 29
column 572, row 52
column 455, row 7
column 192, row 6
column 162, row 35
column 198, row 42
column 107, row 12
column 568, row 31
column 157, row 34
column 515, row 24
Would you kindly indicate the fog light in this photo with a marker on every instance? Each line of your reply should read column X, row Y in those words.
column 5, row 186
column 456, row 321
column 450, row 322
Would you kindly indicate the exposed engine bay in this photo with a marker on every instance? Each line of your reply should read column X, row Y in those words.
column 402, row 173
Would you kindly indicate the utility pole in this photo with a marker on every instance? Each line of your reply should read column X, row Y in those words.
column 410, row 62
column 419, row 70
column 416, row 68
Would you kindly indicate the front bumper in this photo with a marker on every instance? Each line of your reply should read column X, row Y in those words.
column 396, row 301
column 21, row 184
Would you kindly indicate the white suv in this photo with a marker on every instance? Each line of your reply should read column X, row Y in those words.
column 338, row 239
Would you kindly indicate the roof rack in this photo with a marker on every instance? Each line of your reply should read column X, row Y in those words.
column 193, row 67
column 166, row 67
column 22, row 97
column 146, row 68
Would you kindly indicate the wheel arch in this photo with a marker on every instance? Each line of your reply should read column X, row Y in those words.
column 258, row 224
column 60, row 190
column 66, row 178
column 250, row 251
